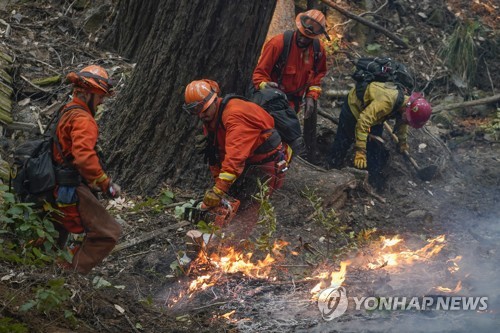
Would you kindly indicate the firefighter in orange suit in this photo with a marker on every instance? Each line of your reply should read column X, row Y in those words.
column 79, row 170
column 301, row 75
column 241, row 138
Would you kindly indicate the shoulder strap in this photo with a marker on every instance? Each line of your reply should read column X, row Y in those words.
column 282, row 60
column 222, row 106
column 399, row 101
column 360, row 91
column 212, row 154
column 280, row 64
column 53, row 132
column 317, row 54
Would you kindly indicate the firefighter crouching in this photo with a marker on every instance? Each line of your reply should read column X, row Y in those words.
column 242, row 142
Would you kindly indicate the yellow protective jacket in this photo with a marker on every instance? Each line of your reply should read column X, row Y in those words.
column 379, row 101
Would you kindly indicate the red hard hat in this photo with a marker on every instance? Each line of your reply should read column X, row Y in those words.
column 93, row 79
column 312, row 24
column 418, row 110
column 199, row 95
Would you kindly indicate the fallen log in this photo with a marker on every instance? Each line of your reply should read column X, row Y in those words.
column 486, row 100
column 372, row 25
column 21, row 126
column 332, row 93
column 148, row 235
column 330, row 185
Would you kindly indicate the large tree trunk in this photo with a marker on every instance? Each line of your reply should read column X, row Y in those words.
column 149, row 138
column 283, row 18
column 132, row 24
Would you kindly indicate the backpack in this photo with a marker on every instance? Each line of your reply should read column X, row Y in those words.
column 382, row 69
column 286, row 123
column 36, row 174
column 280, row 64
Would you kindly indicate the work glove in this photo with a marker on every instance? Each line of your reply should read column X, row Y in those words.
column 264, row 85
column 360, row 159
column 403, row 147
column 310, row 107
column 114, row 190
column 212, row 197
column 200, row 142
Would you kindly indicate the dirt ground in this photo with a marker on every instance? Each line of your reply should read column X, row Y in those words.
column 460, row 202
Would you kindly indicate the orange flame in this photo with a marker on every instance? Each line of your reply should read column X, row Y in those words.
column 235, row 262
column 448, row 290
column 433, row 247
column 454, row 267
column 336, row 278
column 390, row 242
column 228, row 315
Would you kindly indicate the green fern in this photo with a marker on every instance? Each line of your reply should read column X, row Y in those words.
column 460, row 55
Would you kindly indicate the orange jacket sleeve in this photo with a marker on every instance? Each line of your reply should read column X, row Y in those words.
column 268, row 58
column 77, row 133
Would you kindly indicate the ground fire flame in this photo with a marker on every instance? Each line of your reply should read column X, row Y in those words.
column 233, row 261
column 387, row 256
column 392, row 252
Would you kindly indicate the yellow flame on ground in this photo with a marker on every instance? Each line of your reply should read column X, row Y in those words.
column 234, row 261
column 448, row 290
column 390, row 242
column 228, row 315
column 385, row 258
column 454, row 266
column 336, row 278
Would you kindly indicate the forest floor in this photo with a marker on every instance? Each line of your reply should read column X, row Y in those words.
column 135, row 290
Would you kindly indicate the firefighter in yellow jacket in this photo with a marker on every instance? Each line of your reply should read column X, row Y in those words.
column 359, row 118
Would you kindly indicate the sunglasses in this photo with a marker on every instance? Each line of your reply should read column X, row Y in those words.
column 196, row 108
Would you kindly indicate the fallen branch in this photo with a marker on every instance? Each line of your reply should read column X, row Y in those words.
column 310, row 165
column 375, row 26
column 210, row 305
column 17, row 125
column 368, row 189
column 486, row 100
column 336, row 93
column 147, row 236
column 34, row 85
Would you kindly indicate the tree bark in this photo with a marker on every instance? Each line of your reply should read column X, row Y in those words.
column 283, row 18
column 148, row 138
column 131, row 27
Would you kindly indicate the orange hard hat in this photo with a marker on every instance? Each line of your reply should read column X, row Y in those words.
column 93, row 79
column 418, row 110
column 199, row 95
column 312, row 24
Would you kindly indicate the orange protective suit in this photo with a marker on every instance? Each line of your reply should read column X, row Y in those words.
column 298, row 72
column 77, row 133
column 243, row 128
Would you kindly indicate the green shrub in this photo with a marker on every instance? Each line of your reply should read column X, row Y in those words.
column 26, row 235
